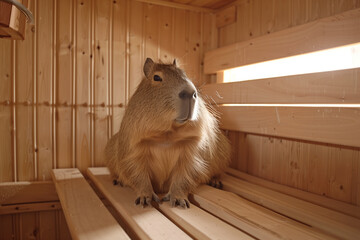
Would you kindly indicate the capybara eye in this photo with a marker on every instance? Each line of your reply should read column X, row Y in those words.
column 157, row 78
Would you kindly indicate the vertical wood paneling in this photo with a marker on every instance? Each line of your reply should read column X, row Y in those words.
column 180, row 36
column 209, row 42
column 62, row 228
column 101, row 77
column 165, row 31
column 64, row 88
column 44, row 225
column 119, row 59
column 28, row 226
column 44, row 87
column 193, row 48
column 7, row 227
column 6, row 159
column 83, row 81
column 136, row 42
column 24, row 77
column 47, row 225
column 152, row 33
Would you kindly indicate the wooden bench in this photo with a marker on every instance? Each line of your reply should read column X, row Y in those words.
column 85, row 214
column 244, row 211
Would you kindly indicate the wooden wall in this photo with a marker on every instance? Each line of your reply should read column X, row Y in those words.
column 63, row 90
column 329, row 170
column 256, row 18
column 48, row 225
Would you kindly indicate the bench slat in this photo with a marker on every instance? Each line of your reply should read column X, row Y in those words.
column 256, row 220
column 319, row 217
column 146, row 223
column 200, row 224
column 320, row 200
column 85, row 214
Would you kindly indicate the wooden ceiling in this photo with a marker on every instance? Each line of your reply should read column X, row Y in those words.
column 211, row 4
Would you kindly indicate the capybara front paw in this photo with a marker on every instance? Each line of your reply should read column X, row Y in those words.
column 145, row 199
column 216, row 183
column 181, row 201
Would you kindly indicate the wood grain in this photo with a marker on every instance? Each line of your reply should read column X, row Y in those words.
column 342, row 29
column 336, row 205
column 146, row 223
column 226, row 17
column 6, row 126
column 200, row 224
column 335, row 87
column 252, row 218
column 335, row 223
column 83, row 208
column 334, row 125
column 24, row 80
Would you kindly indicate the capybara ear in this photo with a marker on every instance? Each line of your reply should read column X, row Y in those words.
column 149, row 64
column 175, row 63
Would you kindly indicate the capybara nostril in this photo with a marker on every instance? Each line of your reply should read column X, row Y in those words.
column 187, row 95
column 183, row 94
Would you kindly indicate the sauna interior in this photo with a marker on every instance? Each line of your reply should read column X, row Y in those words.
column 295, row 169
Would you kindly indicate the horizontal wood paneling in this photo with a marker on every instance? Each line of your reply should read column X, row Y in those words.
column 261, row 17
column 65, row 87
column 334, row 31
column 322, row 169
column 334, row 125
column 335, row 87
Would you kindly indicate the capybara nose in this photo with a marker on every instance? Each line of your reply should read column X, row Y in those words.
column 187, row 95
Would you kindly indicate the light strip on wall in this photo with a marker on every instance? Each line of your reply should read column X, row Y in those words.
column 344, row 57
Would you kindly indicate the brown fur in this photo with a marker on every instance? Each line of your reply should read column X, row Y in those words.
column 152, row 153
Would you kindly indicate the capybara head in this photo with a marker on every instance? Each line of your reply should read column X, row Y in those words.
column 169, row 92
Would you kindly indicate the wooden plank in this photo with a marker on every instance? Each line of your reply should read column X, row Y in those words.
column 83, row 208
column 28, row 226
column 137, row 39
column 119, row 63
column 7, row 227
column 326, row 202
column 101, row 80
column 209, row 42
column 336, row 125
column 226, row 17
column 27, row 192
column 166, row 31
column 251, row 218
column 64, row 83
column 146, row 223
column 330, row 221
column 151, row 31
column 29, row 207
column 342, row 29
column 340, row 87
column 83, row 84
column 176, row 5
column 45, row 52
column 6, row 163
column 47, row 225
column 63, row 231
column 24, row 84
column 193, row 55
column 200, row 224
